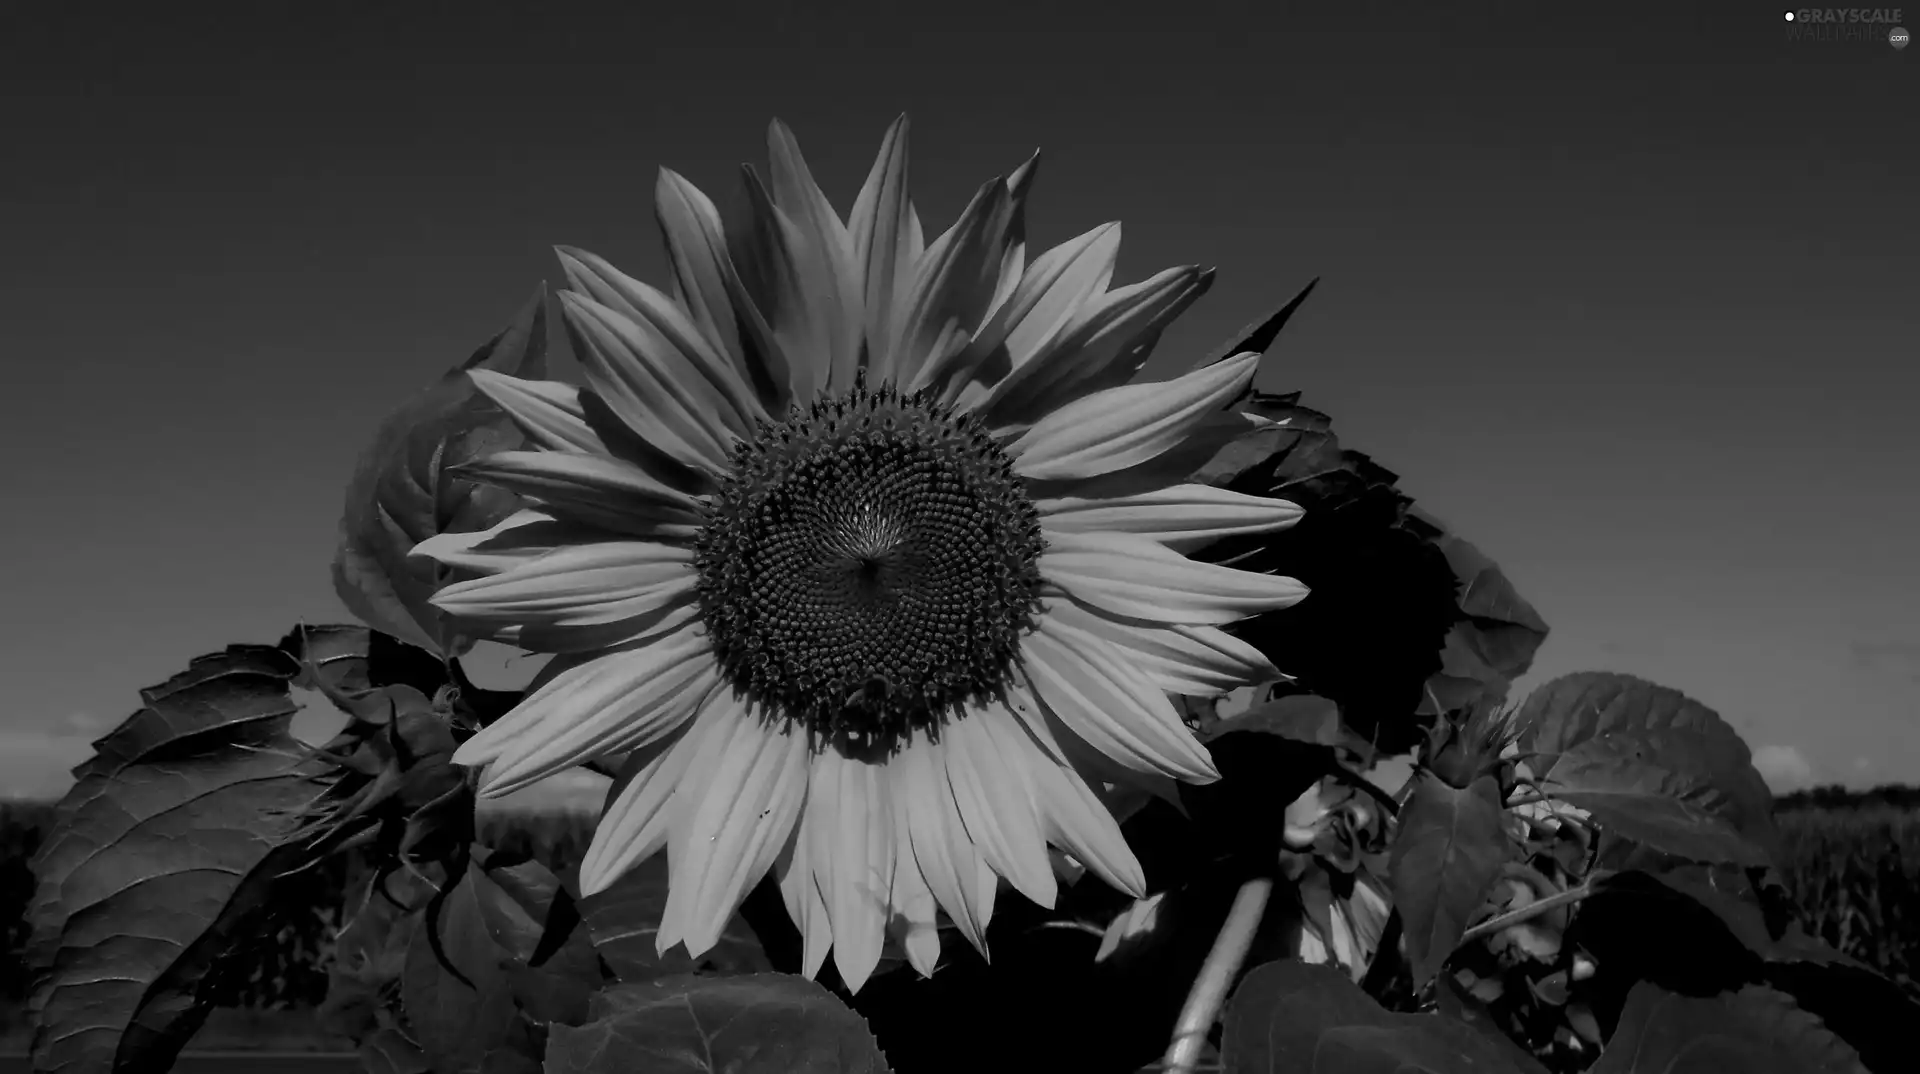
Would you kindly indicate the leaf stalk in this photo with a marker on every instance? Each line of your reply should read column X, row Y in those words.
column 1526, row 913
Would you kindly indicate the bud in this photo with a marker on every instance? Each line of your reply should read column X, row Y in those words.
column 1463, row 746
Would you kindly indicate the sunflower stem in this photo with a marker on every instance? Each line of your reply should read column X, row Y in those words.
column 1526, row 913
column 1209, row 992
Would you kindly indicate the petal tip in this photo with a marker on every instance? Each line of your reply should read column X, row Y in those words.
column 471, row 753
column 593, row 881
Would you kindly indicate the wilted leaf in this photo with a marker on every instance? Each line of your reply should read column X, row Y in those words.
column 1447, row 852
column 624, row 919
column 1754, row 1031
column 763, row 1023
column 1293, row 1018
column 475, row 1025
column 162, row 856
column 1618, row 782
column 402, row 492
column 1609, row 715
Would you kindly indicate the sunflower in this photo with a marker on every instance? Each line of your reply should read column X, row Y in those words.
column 866, row 557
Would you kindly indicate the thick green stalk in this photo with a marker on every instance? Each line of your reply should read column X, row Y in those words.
column 1209, row 992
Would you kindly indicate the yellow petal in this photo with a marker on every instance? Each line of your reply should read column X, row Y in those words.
column 728, row 838
column 1137, row 578
column 1120, row 427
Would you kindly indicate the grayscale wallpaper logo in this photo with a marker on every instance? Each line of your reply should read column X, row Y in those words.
column 1876, row 24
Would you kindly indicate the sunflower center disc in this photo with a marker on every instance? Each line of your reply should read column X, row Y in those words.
column 869, row 566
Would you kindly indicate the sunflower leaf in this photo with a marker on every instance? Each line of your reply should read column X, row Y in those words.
column 402, row 491
column 1700, row 939
column 762, row 1023
column 624, row 918
column 389, row 1051
column 535, row 919
column 1655, row 761
column 1310, row 1019
column 1622, row 786
column 1304, row 718
column 1241, row 813
column 1493, row 640
column 331, row 653
column 163, row 855
column 1447, row 851
column 1755, row 1030
column 369, row 956
column 470, row 1003
column 354, row 665
column 1384, row 596
column 1726, row 893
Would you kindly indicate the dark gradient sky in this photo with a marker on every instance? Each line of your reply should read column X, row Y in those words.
column 1627, row 296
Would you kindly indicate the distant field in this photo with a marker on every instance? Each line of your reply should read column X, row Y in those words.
column 1853, row 865
column 1856, row 874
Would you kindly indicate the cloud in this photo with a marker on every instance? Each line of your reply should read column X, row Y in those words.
column 1784, row 768
column 90, row 724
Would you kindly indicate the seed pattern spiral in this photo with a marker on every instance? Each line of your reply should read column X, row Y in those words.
column 868, row 567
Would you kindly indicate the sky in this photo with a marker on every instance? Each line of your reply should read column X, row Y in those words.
column 1625, row 295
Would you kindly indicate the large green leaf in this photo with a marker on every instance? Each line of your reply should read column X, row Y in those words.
column 1294, row 1018
column 1731, row 896
column 1753, row 1031
column 552, row 966
column 1241, row 814
column 163, row 855
column 1370, row 633
column 625, row 918
column 762, row 1023
column 1674, row 810
column 1591, row 729
column 402, row 491
column 507, row 962
column 1403, row 617
column 1447, row 851
column 369, row 957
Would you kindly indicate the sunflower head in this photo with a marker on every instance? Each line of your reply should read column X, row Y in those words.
column 868, row 567
column 866, row 555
